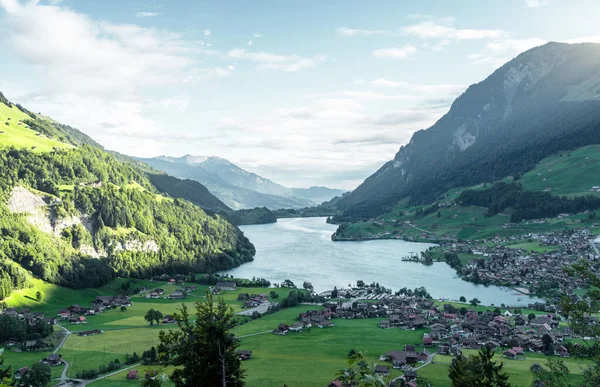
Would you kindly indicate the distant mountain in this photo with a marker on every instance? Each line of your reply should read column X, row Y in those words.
column 317, row 194
column 236, row 187
column 545, row 100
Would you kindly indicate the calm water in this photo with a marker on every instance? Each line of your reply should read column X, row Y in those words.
column 302, row 250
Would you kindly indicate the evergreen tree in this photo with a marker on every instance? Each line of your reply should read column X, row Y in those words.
column 477, row 371
column 203, row 350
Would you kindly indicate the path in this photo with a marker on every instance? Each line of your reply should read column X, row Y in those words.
column 427, row 362
column 262, row 309
column 420, row 229
column 254, row 334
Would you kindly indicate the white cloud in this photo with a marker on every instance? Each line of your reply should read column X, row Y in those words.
column 268, row 61
column 395, row 53
column 444, row 29
column 536, row 3
column 434, row 89
column 584, row 39
column 344, row 31
column 146, row 14
column 231, row 68
column 257, row 35
column 249, row 43
column 499, row 52
column 207, row 32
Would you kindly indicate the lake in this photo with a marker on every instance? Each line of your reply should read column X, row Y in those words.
column 301, row 250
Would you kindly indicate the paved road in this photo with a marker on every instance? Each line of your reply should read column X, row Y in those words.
column 262, row 308
column 254, row 334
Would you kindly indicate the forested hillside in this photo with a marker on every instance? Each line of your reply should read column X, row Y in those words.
column 74, row 214
column 544, row 101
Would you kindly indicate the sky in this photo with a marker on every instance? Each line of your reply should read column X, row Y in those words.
column 302, row 92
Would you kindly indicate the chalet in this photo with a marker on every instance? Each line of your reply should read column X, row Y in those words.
column 77, row 320
column 154, row 295
column 428, row 341
column 33, row 345
column 177, row 296
column 282, row 329
column 159, row 291
column 297, row 327
column 52, row 360
column 64, row 313
column 132, row 375
column 226, row 285
column 400, row 358
column 21, row 372
column 325, row 324
column 168, row 319
column 244, row 354
column 410, row 375
column 509, row 354
column 90, row 332
column 382, row 370
column 384, row 324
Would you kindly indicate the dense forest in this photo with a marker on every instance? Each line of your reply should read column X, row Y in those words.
column 106, row 218
column 525, row 204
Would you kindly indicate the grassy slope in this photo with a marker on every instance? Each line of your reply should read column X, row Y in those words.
column 19, row 136
column 518, row 370
column 569, row 173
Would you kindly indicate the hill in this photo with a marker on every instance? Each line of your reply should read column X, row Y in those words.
column 544, row 101
column 236, row 187
column 73, row 214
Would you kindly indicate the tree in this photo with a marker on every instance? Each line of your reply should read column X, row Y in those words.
column 39, row 296
column 204, row 350
column 38, row 376
column 152, row 316
column 531, row 316
column 347, row 296
column 548, row 344
column 4, row 374
column 334, row 293
column 555, row 374
column 123, row 308
column 360, row 284
column 462, row 299
column 359, row 374
column 273, row 294
column 474, row 302
column 288, row 284
column 477, row 371
column 308, row 286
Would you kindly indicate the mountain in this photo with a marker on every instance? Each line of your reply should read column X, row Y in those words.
column 74, row 214
column 544, row 101
column 237, row 188
column 317, row 194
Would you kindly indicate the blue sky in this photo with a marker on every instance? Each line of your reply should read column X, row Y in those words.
column 304, row 92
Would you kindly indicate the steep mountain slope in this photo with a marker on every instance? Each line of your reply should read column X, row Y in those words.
column 74, row 214
column 236, row 187
column 545, row 100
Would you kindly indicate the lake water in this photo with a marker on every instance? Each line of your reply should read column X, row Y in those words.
column 301, row 250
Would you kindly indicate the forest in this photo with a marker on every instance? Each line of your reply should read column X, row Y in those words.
column 109, row 206
column 525, row 204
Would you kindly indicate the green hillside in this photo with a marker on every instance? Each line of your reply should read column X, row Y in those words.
column 73, row 214
column 571, row 173
column 14, row 132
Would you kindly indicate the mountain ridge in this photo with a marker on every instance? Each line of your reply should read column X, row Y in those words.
column 543, row 101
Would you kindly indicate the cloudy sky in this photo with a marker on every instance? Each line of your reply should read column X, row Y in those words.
column 305, row 92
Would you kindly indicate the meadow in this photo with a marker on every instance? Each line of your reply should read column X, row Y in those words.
column 14, row 133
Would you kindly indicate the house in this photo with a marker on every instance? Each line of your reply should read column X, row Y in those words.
column 159, row 291
column 297, row 327
column 77, row 320
column 282, row 329
column 154, row 295
column 64, row 313
column 410, row 375
column 382, row 370
column 226, row 285
column 244, row 354
column 325, row 324
column 32, row 345
column 20, row 372
column 384, row 324
column 90, row 332
column 177, row 296
column 428, row 341
column 132, row 375
column 168, row 319
column 52, row 360
column 509, row 354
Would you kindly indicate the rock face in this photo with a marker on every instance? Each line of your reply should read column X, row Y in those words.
column 40, row 214
column 543, row 101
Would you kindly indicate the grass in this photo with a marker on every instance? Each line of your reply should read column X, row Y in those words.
column 20, row 136
column 518, row 370
column 312, row 358
column 570, row 173
column 120, row 379
column 533, row 246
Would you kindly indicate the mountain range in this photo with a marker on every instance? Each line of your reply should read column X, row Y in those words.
column 238, row 188
column 544, row 101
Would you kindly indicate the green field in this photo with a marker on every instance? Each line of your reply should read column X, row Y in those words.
column 518, row 370
column 15, row 133
column 533, row 246
column 570, row 173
